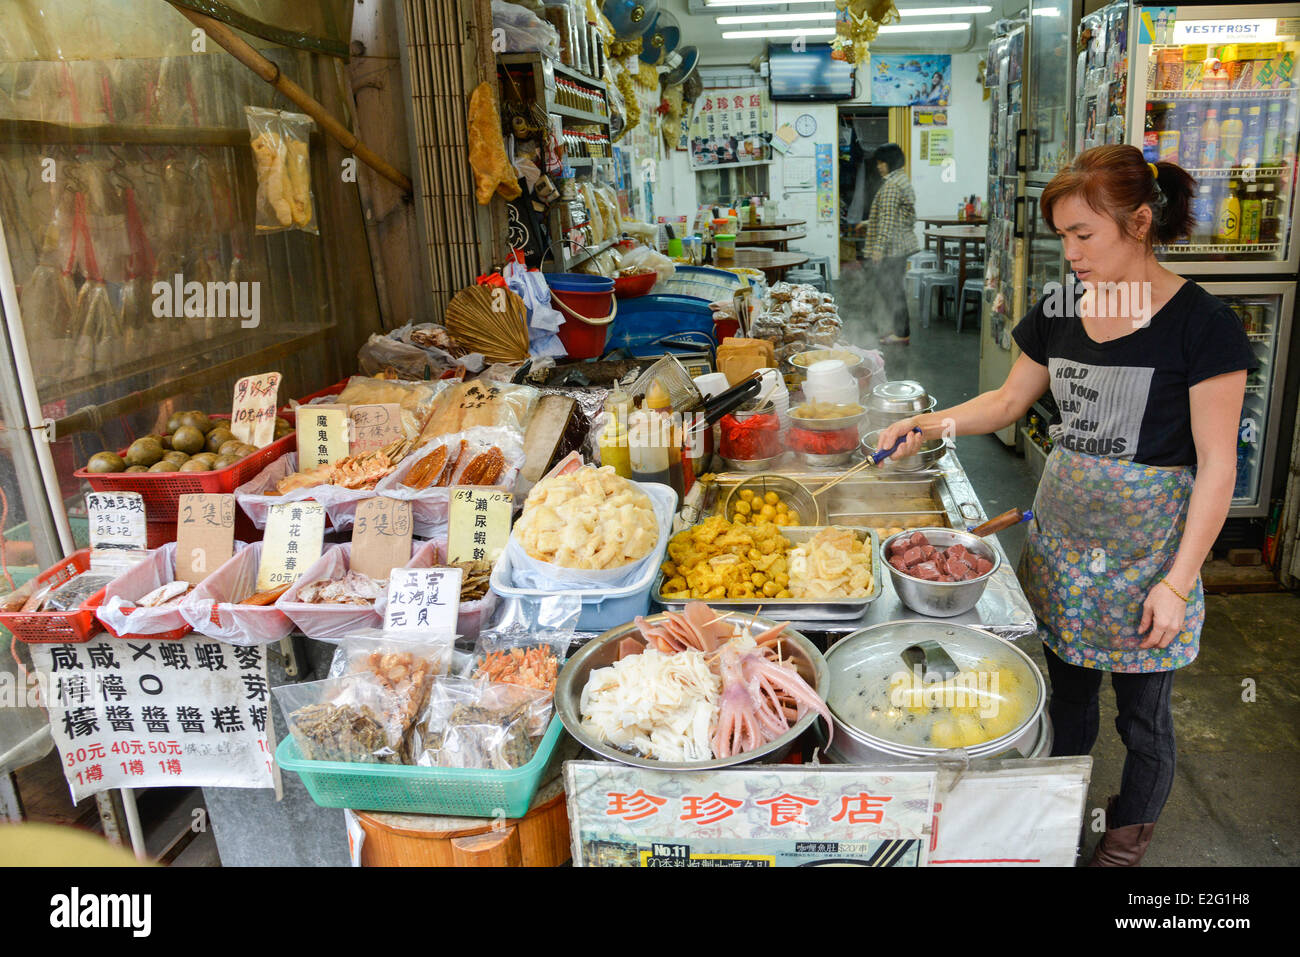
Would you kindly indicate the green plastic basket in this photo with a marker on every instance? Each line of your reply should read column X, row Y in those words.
column 457, row 792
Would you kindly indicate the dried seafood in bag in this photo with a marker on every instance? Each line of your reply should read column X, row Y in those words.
column 328, row 732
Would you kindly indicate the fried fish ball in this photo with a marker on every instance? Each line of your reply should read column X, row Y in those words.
column 740, row 519
column 759, row 579
column 767, row 511
column 771, row 498
column 743, row 508
column 783, row 593
column 781, row 578
column 770, row 589
column 746, row 494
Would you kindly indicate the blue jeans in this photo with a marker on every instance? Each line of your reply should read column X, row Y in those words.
column 1145, row 724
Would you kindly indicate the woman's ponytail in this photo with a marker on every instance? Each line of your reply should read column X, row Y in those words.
column 1174, row 190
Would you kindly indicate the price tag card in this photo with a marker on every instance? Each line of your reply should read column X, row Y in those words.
column 294, row 532
column 374, row 426
column 118, row 537
column 252, row 419
column 205, row 535
column 478, row 524
column 322, row 435
column 423, row 599
column 381, row 537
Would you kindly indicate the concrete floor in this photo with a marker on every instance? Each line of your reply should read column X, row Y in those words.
column 1233, row 802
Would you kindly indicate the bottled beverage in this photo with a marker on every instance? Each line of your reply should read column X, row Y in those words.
column 1268, row 226
column 1250, row 215
column 1203, row 210
column 1230, row 134
column 1189, row 144
column 1271, row 152
column 1252, row 140
column 1210, row 140
column 1227, row 218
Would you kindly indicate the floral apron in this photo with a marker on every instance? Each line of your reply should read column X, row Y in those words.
column 1105, row 532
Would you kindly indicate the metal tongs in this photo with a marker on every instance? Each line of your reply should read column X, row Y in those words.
column 871, row 460
column 716, row 407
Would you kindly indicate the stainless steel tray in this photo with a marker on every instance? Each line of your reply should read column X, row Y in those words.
column 802, row 609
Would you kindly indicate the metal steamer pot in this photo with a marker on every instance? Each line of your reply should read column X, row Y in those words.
column 894, row 401
column 861, row 668
column 602, row 652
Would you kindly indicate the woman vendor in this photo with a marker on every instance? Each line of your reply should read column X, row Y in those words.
column 1149, row 371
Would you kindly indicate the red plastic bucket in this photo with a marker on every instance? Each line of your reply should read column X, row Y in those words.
column 588, row 306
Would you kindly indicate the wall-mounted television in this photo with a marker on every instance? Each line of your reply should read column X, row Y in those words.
column 807, row 74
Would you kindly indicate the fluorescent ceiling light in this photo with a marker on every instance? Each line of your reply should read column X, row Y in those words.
column 1047, row 12
column 925, row 28
column 756, row 34
column 776, row 18
column 757, row 3
column 943, row 11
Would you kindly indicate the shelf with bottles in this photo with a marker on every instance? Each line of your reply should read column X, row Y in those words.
column 1243, row 173
column 1219, row 249
column 1283, row 93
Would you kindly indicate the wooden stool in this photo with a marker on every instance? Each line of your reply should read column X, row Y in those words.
column 538, row 839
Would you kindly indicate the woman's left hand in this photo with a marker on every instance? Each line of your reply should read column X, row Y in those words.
column 1163, row 612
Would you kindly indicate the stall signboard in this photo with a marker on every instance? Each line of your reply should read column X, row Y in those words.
column 294, row 532
column 136, row 714
column 730, row 127
column 374, row 426
column 478, row 524
column 911, row 79
column 205, row 535
column 252, row 419
column 423, row 600
column 759, row 816
column 322, row 435
column 381, row 537
column 118, row 535
column 929, row 116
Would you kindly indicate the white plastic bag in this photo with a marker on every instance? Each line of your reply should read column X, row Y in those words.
column 643, row 257
column 429, row 506
column 213, row 607
column 331, row 622
column 340, row 503
column 529, row 572
column 119, row 611
column 523, row 31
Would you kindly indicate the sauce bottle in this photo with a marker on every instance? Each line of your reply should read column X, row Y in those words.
column 647, row 449
column 614, row 448
column 659, row 404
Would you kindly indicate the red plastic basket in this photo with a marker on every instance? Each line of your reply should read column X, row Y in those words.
column 162, row 490
column 58, row 627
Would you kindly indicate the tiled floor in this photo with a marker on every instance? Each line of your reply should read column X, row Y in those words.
column 1236, row 708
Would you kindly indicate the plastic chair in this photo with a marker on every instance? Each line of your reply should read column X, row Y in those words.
column 922, row 260
column 970, row 289
column 810, row 277
column 945, row 284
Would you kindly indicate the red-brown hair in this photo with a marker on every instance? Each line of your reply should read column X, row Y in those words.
column 1116, row 181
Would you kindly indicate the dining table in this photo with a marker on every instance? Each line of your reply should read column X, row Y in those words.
column 965, row 237
column 772, row 263
column 772, row 238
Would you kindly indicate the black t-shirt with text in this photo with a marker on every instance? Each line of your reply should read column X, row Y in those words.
column 1128, row 398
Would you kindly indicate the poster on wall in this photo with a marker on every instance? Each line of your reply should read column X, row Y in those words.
column 911, row 79
column 825, row 184
column 940, row 145
column 731, row 126
column 929, row 116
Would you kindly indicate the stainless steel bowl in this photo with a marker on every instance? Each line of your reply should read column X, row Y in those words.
column 796, row 496
column 802, row 360
column 603, row 651
column 931, row 452
column 900, row 395
column 826, row 425
column 941, row 599
column 861, row 659
column 751, row 465
column 828, row 461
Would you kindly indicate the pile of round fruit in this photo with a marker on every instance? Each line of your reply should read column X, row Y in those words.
column 193, row 443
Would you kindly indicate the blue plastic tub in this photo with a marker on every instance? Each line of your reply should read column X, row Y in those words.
column 700, row 282
column 642, row 324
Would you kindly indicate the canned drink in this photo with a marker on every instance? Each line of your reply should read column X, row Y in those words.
column 1167, row 145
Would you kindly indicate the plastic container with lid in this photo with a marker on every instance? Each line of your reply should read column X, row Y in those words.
column 888, row 704
column 726, row 246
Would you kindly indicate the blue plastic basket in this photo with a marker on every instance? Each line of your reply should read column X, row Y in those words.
column 403, row 789
column 700, row 282
column 643, row 324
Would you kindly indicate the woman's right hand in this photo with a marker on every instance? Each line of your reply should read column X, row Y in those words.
column 911, row 443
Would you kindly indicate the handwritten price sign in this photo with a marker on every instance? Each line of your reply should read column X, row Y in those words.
column 252, row 419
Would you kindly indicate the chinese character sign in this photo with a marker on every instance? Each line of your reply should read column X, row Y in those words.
column 322, row 435
column 478, row 524
column 294, row 532
column 731, row 126
column 132, row 714
column 423, row 599
column 252, row 419
column 748, row 817
column 118, row 535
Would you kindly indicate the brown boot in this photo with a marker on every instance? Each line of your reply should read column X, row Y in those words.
column 1122, row 846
